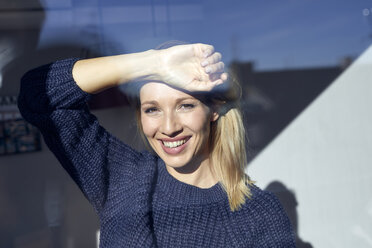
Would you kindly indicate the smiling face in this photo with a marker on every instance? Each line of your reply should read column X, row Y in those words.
column 176, row 125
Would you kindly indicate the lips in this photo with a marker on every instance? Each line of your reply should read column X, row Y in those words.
column 174, row 146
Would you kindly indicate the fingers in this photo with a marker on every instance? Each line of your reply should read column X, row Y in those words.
column 216, row 76
column 202, row 86
column 215, row 68
column 210, row 71
column 208, row 82
column 213, row 59
column 224, row 76
column 213, row 63
column 208, row 50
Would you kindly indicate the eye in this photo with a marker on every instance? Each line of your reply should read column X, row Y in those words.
column 150, row 110
column 187, row 106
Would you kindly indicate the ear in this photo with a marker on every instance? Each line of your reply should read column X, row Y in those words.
column 214, row 116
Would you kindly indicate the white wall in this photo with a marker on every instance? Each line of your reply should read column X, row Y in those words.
column 325, row 157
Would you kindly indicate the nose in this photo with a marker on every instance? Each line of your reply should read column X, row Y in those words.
column 171, row 125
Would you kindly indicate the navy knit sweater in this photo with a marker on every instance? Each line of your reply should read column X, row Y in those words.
column 138, row 202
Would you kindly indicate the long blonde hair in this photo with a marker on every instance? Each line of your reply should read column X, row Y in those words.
column 228, row 156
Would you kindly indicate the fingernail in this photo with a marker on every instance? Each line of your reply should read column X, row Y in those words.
column 204, row 63
column 208, row 70
column 206, row 54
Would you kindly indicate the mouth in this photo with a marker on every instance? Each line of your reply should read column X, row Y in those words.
column 174, row 146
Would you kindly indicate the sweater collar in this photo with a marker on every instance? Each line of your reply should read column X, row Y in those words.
column 185, row 193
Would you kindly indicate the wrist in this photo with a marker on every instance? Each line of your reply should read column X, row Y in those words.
column 142, row 66
column 152, row 67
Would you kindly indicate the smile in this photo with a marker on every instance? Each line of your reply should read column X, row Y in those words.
column 174, row 147
column 174, row 143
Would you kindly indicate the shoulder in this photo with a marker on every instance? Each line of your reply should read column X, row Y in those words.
column 263, row 206
column 268, row 219
column 265, row 199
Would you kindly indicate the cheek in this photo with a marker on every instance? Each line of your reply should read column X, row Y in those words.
column 199, row 123
column 149, row 126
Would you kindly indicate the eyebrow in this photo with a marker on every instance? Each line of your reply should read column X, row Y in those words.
column 153, row 102
column 149, row 102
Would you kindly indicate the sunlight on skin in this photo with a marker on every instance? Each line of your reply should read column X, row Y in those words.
column 177, row 126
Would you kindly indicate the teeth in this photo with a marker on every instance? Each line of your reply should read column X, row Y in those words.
column 174, row 143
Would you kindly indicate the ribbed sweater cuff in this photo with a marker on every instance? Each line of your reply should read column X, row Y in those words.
column 66, row 91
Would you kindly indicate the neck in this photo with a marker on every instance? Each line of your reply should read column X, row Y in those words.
column 196, row 174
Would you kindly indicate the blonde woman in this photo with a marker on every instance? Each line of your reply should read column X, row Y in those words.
column 191, row 191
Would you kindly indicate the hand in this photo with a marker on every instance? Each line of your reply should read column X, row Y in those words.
column 194, row 67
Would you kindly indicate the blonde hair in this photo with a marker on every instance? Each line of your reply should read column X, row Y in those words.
column 228, row 156
column 227, row 151
column 228, row 144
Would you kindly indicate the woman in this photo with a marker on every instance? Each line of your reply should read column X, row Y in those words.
column 193, row 191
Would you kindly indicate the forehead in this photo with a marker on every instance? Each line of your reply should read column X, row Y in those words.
column 161, row 92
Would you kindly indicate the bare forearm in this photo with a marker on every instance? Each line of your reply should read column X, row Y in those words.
column 95, row 75
column 193, row 67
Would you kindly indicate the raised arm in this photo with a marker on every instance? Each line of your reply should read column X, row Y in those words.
column 194, row 67
column 53, row 98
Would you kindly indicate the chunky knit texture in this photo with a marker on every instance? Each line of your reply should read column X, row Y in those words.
column 138, row 202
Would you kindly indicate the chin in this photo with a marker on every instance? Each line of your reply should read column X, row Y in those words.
column 174, row 162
